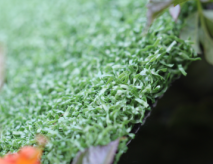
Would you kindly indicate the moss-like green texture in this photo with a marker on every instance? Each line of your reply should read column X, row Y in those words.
column 81, row 72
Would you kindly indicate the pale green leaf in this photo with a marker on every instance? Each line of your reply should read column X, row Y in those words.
column 207, row 43
column 190, row 31
column 208, row 15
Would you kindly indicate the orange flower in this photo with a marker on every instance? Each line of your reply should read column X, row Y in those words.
column 9, row 159
column 27, row 155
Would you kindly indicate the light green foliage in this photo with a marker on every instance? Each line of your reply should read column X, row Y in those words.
column 198, row 27
column 81, row 73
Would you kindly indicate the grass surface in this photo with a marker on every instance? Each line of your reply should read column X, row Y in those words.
column 81, row 73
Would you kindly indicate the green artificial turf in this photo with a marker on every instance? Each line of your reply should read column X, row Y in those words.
column 81, row 72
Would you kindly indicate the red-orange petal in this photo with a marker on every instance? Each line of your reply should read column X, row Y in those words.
column 29, row 155
column 10, row 158
column 2, row 161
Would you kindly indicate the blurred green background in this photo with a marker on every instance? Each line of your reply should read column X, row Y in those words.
column 180, row 128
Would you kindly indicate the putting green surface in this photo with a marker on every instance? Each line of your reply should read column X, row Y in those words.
column 81, row 72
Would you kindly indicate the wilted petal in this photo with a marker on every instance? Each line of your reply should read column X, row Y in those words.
column 175, row 11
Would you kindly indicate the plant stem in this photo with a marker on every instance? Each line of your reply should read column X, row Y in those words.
column 200, row 10
column 200, row 13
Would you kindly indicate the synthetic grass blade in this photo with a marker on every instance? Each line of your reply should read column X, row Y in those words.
column 2, row 65
column 81, row 73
